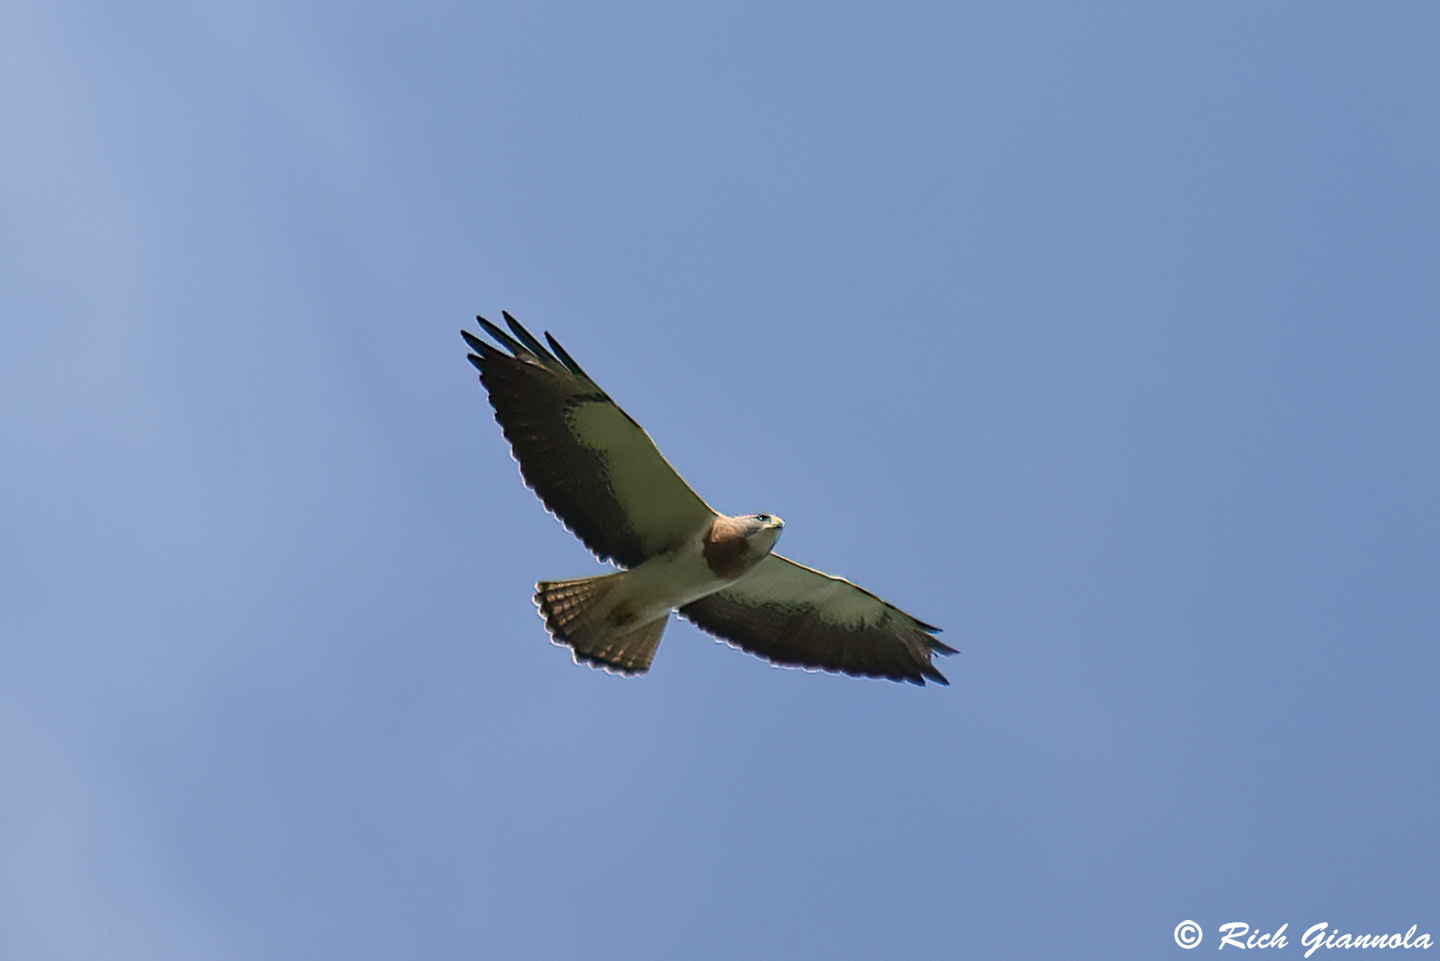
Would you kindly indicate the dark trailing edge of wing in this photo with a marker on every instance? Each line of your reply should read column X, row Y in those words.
column 780, row 611
column 530, row 390
column 800, row 639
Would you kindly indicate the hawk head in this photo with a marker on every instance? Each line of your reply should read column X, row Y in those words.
column 761, row 531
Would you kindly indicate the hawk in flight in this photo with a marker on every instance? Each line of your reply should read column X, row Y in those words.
column 602, row 476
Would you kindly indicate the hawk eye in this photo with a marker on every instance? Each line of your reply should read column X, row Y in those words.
column 763, row 517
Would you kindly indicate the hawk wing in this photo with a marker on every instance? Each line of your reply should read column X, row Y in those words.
column 790, row 614
column 593, row 466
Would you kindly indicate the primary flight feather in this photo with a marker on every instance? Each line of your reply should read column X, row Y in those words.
column 600, row 473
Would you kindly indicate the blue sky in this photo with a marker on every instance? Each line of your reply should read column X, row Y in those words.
column 1103, row 336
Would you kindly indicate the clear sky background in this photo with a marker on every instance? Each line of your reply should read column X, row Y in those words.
column 1104, row 336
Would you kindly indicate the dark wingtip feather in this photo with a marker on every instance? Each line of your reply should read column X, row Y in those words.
column 565, row 358
column 536, row 348
column 474, row 343
column 511, row 344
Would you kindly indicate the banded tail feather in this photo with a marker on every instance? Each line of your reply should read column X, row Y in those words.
column 587, row 615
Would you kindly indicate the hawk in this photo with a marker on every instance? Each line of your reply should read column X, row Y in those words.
column 602, row 476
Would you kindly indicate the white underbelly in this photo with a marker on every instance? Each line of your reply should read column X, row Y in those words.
column 661, row 584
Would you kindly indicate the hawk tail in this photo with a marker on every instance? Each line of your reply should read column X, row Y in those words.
column 589, row 616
